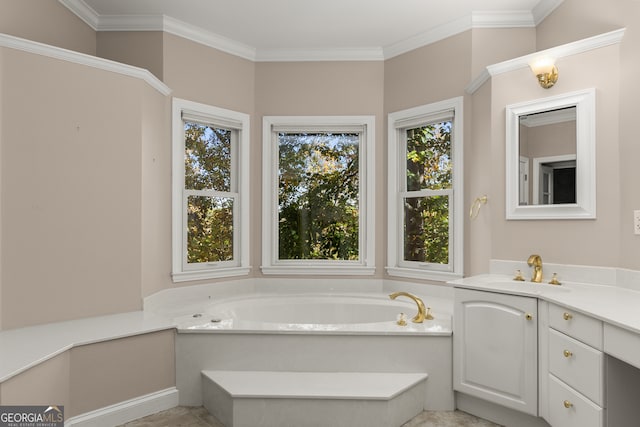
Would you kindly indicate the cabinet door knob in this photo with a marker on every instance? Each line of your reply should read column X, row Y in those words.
column 567, row 353
column 567, row 404
column 529, row 316
column 567, row 316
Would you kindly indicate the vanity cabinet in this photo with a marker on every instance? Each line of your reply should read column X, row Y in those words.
column 495, row 348
column 576, row 369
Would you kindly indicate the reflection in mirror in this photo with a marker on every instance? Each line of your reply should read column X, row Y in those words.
column 547, row 153
column 550, row 147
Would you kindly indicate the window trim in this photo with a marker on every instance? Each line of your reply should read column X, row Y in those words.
column 270, row 264
column 240, row 179
column 396, row 265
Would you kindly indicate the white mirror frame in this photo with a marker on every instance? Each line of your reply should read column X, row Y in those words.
column 585, row 206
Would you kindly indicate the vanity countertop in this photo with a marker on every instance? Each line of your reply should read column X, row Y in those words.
column 612, row 304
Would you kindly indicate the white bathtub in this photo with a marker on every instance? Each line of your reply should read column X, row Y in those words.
column 316, row 326
column 316, row 313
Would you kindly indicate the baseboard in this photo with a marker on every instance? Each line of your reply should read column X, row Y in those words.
column 128, row 410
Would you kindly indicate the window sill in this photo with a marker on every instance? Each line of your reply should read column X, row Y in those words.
column 415, row 273
column 185, row 276
column 321, row 270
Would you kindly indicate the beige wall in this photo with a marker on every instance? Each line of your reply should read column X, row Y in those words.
column 142, row 49
column 428, row 74
column 576, row 19
column 493, row 45
column 46, row 21
column 478, row 181
column 202, row 74
column 45, row 384
column 110, row 372
column 156, row 194
column 71, row 190
column 584, row 242
column 93, row 376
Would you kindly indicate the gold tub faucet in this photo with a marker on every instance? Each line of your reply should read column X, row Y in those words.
column 423, row 313
column 535, row 261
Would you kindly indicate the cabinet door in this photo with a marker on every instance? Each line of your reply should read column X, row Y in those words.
column 495, row 348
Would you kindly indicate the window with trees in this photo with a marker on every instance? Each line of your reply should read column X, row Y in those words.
column 210, row 191
column 317, row 205
column 425, row 191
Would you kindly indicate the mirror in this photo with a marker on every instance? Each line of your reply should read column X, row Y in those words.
column 547, row 155
column 550, row 146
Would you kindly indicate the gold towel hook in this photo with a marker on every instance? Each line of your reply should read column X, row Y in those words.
column 475, row 207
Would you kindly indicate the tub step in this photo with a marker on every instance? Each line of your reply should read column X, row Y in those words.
column 278, row 399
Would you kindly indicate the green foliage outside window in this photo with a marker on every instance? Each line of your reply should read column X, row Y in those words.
column 318, row 196
column 209, row 219
column 426, row 217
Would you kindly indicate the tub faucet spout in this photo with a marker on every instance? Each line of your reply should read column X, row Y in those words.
column 423, row 313
column 536, row 261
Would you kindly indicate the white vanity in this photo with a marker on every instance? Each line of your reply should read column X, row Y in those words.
column 568, row 354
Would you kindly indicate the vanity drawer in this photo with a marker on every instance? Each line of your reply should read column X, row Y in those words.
column 568, row 408
column 578, row 365
column 576, row 325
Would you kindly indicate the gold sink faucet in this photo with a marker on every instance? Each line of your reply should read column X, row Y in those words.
column 535, row 261
column 423, row 313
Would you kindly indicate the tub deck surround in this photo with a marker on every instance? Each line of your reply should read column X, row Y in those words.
column 23, row 348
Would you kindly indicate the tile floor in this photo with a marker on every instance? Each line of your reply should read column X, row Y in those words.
column 183, row 416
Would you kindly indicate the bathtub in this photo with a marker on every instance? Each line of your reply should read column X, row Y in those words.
column 364, row 313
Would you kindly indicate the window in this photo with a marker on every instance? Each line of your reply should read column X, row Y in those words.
column 210, row 192
column 318, row 204
column 425, row 192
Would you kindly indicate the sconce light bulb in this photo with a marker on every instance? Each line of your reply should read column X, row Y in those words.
column 545, row 71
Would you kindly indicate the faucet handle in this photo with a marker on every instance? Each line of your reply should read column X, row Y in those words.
column 554, row 280
column 428, row 316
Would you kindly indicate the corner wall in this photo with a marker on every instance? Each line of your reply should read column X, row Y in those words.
column 46, row 21
column 71, row 190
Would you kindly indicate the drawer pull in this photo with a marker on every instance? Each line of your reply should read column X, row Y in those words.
column 567, row 353
column 567, row 404
column 567, row 316
column 528, row 316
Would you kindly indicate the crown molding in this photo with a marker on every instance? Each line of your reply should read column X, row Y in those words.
column 499, row 19
column 17, row 43
column 83, row 11
column 569, row 49
column 503, row 19
column 544, row 9
column 289, row 55
column 207, row 38
column 439, row 33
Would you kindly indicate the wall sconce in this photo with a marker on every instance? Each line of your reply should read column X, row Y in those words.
column 545, row 71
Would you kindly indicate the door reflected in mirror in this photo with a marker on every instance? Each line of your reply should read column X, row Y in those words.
column 547, row 153
column 550, row 154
